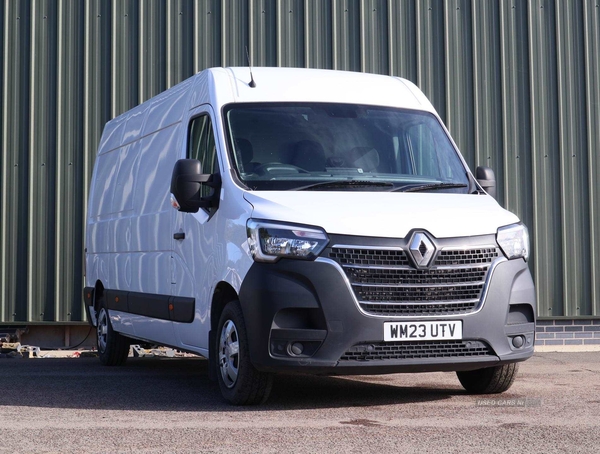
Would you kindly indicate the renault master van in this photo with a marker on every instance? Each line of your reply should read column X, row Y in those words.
column 303, row 221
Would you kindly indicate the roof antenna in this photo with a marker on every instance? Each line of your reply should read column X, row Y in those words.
column 252, row 84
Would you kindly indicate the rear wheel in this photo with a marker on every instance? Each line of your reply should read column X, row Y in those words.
column 113, row 347
column 239, row 381
column 491, row 380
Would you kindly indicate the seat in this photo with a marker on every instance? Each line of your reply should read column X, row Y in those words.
column 309, row 155
column 244, row 154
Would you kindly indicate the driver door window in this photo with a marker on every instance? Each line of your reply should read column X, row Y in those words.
column 201, row 146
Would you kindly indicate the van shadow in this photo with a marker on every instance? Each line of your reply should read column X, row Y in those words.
column 298, row 392
column 182, row 384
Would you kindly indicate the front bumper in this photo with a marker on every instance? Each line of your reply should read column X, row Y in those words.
column 296, row 306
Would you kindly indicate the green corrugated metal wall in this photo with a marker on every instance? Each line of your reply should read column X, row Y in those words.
column 517, row 82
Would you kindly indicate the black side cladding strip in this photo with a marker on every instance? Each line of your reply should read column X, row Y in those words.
column 163, row 307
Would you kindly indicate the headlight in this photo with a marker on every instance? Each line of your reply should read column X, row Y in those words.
column 269, row 241
column 514, row 241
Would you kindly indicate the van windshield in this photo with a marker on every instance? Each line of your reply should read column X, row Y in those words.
column 328, row 146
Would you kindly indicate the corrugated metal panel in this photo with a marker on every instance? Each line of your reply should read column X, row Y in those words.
column 460, row 112
column 516, row 111
column 290, row 33
column 431, row 55
column 374, row 37
column 545, row 142
column 96, row 79
column 125, row 68
column 234, row 32
column 263, row 38
column 14, row 191
column 180, row 56
column 318, row 43
column 487, row 89
column 42, row 169
column 573, row 159
column 207, row 34
column 518, row 84
column 402, row 38
column 591, row 33
column 3, row 52
column 69, row 205
column 153, row 60
column 346, row 35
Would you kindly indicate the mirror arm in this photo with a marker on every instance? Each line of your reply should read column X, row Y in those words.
column 212, row 181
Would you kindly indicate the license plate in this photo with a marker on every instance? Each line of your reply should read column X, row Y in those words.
column 415, row 331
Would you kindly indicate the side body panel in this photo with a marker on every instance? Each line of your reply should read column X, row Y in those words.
column 129, row 220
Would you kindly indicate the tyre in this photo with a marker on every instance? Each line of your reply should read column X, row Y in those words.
column 113, row 348
column 239, row 381
column 491, row 380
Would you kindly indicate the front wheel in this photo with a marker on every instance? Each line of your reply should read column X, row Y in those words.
column 239, row 381
column 491, row 380
column 113, row 347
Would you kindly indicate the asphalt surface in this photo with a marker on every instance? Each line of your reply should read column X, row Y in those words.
column 169, row 405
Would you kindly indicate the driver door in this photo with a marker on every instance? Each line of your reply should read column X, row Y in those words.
column 195, row 245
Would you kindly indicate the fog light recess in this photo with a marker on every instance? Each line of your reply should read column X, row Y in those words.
column 295, row 348
column 518, row 341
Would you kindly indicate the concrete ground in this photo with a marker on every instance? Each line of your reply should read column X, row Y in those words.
column 168, row 405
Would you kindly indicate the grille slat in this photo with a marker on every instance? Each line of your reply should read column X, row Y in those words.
column 381, row 257
column 385, row 282
column 416, row 310
column 416, row 294
column 416, row 350
column 416, row 277
column 466, row 257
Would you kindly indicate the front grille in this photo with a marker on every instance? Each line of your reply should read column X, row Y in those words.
column 386, row 283
column 417, row 350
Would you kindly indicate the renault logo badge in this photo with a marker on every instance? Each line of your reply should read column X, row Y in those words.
column 422, row 249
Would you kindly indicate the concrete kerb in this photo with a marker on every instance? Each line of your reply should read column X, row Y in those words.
column 567, row 348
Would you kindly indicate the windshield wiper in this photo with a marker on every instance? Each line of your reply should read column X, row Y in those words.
column 354, row 184
column 430, row 187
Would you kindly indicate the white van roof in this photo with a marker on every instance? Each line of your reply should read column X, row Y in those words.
column 315, row 85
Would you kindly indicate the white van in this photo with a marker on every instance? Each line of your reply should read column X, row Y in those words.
column 299, row 220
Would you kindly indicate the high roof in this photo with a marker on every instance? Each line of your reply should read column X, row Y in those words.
column 315, row 85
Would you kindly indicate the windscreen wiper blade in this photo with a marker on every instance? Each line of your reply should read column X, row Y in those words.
column 344, row 184
column 430, row 187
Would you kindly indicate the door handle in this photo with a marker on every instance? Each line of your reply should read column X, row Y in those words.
column 179, row 236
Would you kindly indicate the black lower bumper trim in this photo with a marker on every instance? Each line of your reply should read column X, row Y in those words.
column 310, row 304
column 417, row 350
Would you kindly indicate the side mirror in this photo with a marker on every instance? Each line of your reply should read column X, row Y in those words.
column 487, row 180
column 186, row 184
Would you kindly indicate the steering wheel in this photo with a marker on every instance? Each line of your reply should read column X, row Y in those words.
column 278, row 167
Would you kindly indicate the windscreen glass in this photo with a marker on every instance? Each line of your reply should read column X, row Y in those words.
column 323, row 146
